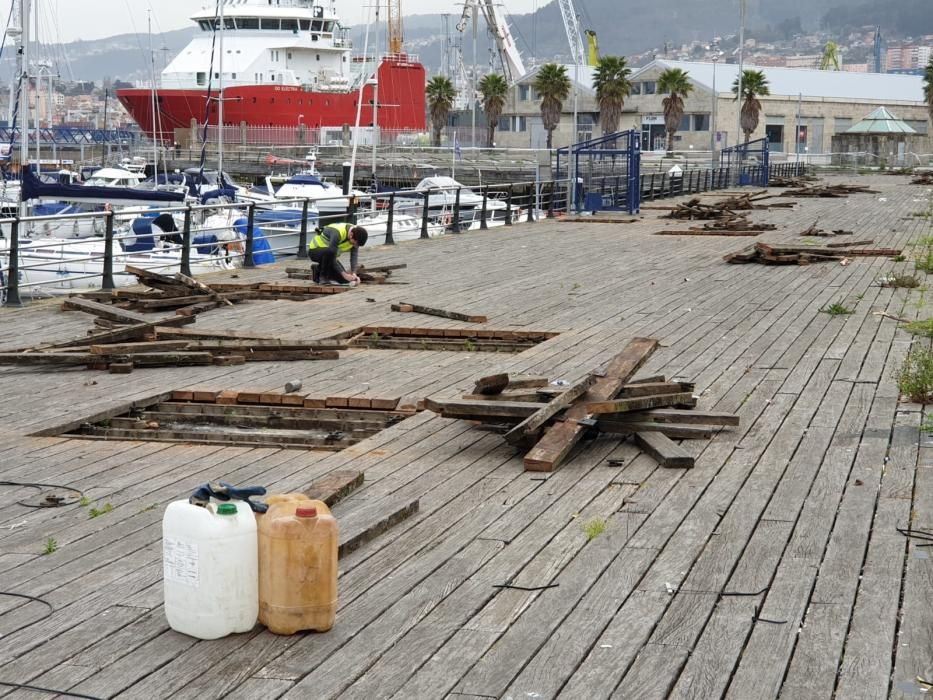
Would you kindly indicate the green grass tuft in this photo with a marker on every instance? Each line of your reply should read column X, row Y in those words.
column 50, row 546
column 836, row 309
column 594, row 528
column 893, row 279
column 95, row 511
column 915, row 378
column 924, row 328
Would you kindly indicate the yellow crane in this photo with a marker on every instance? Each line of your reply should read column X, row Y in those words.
column 395, row 26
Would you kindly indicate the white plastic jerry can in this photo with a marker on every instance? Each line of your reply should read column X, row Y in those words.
column 210, row 568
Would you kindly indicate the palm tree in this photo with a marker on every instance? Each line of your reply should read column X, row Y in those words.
column 928, row 87
column 441, row 94
column 612, row 85
column 494, row 88
column 553, row 85
column 754, row 85
column 676, row 83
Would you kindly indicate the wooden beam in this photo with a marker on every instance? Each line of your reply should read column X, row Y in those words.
column 532, row 395
column 47, row 358
column 667, row 452
column 158, row 359
column 493, row 384
column 455, row 408
column 533, row 423
column 650, row 388
column 647, row 380
column 126, row 348
column 640, row 403
column 454, row 315
column 106, row 311
column 674, row 415
column 166, row 333
column 518, row 382
column 673, row 430
column 361, row 526
column 560, row 439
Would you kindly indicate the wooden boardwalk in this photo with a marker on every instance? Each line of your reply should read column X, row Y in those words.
column 772, row 569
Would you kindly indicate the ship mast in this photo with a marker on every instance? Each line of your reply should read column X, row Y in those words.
column 22, row 67
column 220, row 103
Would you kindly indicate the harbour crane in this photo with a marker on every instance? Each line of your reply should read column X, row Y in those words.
column 394, row 25
column 512, row 65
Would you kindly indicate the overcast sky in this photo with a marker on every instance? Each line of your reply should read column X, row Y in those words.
column 69, row 20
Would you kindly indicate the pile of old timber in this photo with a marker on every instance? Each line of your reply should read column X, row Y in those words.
column 923, row 179
column 549, row 421
column 814, row 230
column 770, row 254
column 379, row 274
column 830, row 191
column 134, row 340
column 189, row 297
column 721, row 218
column 795, row 181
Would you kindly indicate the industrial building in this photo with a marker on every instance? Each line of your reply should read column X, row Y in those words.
column 805, row 110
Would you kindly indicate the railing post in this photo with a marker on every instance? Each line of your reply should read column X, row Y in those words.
column 651, row 185
column 351, row 209
column 12, row 282
column 424, row 214
column 303, row 233
column 455, row 224
column 508, row 206
column 390, row 221
column 248, row 254
column 483, row 223
column 550, row 200
column 532, row 200
column 107, row 279
column 186, row 243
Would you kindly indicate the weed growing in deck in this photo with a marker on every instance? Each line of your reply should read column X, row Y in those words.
column 924, row 328
column 50, row 546
column 899, row 258
column 95, row 511
column 915, row 378
column 837, row 308
column 893, row 279
column 84, row 502
column 594, row 528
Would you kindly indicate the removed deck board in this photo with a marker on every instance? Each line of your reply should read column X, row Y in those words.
column 560, row 439
column 532, row 424
column 667, row 452
column 405, row 307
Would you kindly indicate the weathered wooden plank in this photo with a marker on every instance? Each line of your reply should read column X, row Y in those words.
column 652, row 388
column 453, row 408
column 128, row 348
column 105, row 311
column 560, row 439
column 519, row 382
column 47, row 358
column 533, row 423
column 672, row 430
column 492, row 384
column 664, row 450
column 370, row 522
column 443, row 313
column 640, row 403
column 677, row 415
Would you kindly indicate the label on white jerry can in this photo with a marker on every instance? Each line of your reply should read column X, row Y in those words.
column 180, row 561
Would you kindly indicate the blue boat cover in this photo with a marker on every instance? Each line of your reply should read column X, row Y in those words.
column 34, row 188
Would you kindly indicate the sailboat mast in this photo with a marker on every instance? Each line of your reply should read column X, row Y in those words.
column 152, row 99
column 375, row 130
column 22, row 68
column 220, row 102
column 38, row 112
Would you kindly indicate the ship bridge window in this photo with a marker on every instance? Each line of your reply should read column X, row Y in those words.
column 229, row 23
column 317, row 26
column 201, row 78
column 305, row 24
column 270, row 23
column 248, row 23
column 290, row 25
column 328, row 26
column 205, row 25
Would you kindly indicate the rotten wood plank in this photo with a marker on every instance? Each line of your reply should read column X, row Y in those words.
column 640, row 403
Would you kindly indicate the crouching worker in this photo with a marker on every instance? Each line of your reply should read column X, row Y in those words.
column 325, row 249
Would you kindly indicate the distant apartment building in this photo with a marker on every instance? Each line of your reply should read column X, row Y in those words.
column 808, row 61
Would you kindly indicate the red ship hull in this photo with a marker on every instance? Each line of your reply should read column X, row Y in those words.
column 401, row 104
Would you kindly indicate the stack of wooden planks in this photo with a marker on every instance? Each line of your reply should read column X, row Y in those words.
column 140, row 341
column 772, row 254
column 549, row 420
column 188, row 296
column 721, row 217
column 923, row 179
column 830, row 191
column 379, row 274
column 814, row 230
column 795, row 181
column 453, row 339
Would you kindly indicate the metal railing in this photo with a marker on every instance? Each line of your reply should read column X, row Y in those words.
column 34, row 261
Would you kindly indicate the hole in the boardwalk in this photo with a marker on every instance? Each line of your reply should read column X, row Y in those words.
column 451, row 339
column 250, row 419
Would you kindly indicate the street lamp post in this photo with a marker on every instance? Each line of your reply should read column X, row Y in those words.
column 712, row 126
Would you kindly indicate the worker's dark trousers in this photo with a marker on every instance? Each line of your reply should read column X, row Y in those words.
column 329, row 268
